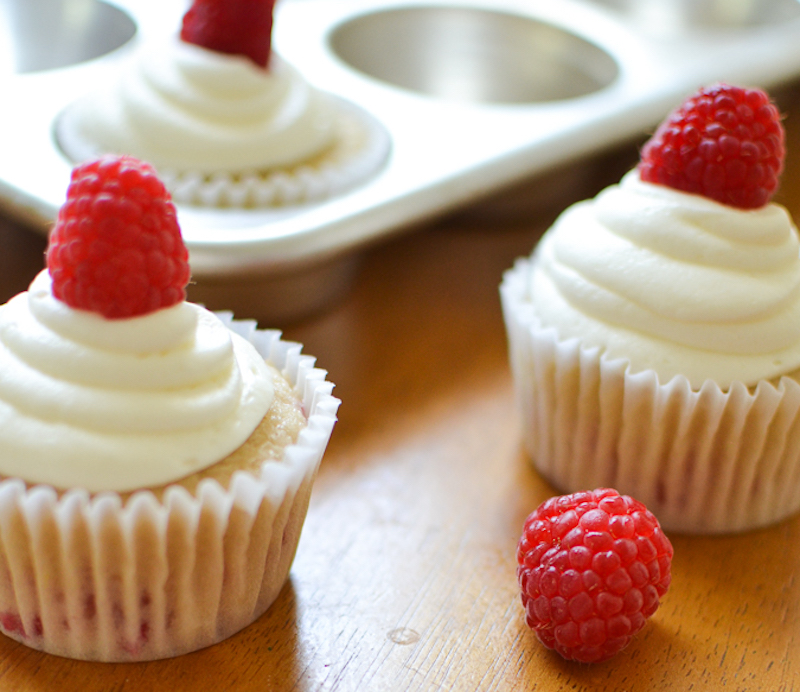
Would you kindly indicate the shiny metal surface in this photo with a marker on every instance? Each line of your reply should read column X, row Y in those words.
column 473, row 55
column 681, row 16
column 38, row 35
column 456, row 134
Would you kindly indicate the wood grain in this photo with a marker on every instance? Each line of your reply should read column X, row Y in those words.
column 405, row 575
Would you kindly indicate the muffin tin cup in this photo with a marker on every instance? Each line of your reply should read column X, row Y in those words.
column 93, row 577
column 703, row 461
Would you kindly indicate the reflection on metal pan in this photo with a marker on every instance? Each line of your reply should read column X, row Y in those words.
column 472, row 54
column 37, row 35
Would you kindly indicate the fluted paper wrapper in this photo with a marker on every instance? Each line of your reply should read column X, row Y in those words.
column 703, row 461
column 93, row 578
column 360, row 149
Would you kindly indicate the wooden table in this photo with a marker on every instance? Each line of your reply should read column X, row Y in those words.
column 405, row 574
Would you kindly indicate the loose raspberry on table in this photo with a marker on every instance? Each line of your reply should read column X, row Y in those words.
column 236, row 27
column 116, row 248
column 592, row 568
column 725, row 142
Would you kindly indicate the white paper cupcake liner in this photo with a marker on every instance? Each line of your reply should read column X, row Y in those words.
column 93, row 578
column 703, row 461
column 361, row 149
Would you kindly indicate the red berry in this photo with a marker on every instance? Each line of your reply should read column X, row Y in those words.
column 724, row 142
column 236, row 27
column 116, row 248
column 592, row 568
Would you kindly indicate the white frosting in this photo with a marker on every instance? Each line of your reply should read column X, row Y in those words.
column 121, row 404
column 185, row 108
column 674, row 282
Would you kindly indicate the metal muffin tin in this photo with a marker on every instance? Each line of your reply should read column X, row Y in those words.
column 475, row 94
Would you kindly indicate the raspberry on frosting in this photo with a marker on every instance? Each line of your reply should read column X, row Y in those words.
column 592, row 568
column 116, row 247
column 724, row 142
column 236, row 27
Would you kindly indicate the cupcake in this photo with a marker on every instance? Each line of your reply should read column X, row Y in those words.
column 224, row 120
column 156, row 460
column 654, row 333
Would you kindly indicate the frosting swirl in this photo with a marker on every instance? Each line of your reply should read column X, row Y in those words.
column 121, row 404
column 674, row 282
column 185, row 108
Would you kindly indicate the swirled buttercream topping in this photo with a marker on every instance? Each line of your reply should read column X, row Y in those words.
column 674, row 282
column 121, row 404
column 185, row 108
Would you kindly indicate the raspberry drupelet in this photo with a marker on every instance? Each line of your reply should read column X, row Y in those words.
column 592, row 568
column 116, row 248
column 724, row 142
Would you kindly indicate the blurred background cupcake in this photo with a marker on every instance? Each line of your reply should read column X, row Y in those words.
column 225, row 121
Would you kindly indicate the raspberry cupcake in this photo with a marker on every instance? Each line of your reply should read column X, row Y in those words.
column 654, row 334
column 224, row 120
column 156, row 460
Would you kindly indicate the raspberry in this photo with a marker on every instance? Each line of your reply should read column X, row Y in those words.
column 236, row 27
column 724, row 142
column 592, row 568
column 116, row 248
